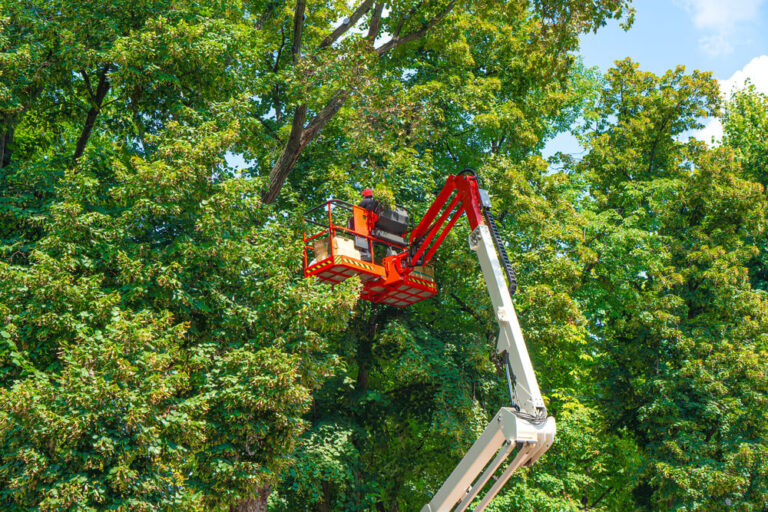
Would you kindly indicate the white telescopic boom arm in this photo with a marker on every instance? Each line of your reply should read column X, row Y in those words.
column 510, row 340
column 509, row 428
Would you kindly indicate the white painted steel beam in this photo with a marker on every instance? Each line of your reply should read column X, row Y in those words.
column 507, row 430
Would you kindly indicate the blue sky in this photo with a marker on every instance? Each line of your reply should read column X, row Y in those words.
column 721, row 36
column 727, row 37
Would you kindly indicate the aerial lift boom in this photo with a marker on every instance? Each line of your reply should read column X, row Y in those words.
column 525, row 425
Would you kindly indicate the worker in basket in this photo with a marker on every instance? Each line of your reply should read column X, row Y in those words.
column 368, row 202
column 361, row 243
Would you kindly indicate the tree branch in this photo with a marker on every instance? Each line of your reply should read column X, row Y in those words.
column 405, row 18
column 347, row 24
column 415, row 35
column 300, row 136
column 270, row 131
column 87, row 81
column 465, row 308
column 275, row 89
column 265, row 16
column 298, row 140
column 321, row 119
column 90, row 119
column 450, row 152
column 279, row 50
column 600, row 498
column 375, row 24
column 288, row 157
column 276, row 104
column 298, row 24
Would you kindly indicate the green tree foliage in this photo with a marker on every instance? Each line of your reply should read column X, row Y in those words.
column 153, row 303
column 745, row 124
column 746, row 131
column 160, row 349
column 681, row 332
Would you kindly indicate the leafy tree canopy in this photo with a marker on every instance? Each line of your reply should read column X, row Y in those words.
column 159, row 348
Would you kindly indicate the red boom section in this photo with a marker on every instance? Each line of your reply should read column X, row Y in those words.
column 439, row 220
column 404, row 277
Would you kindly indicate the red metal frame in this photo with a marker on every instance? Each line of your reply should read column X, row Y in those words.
column 335, row 267
column 467, row 194
column 394, row 281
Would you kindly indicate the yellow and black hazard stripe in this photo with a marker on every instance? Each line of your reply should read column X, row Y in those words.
column 422, row 282
column 356, row 263
column 324, row 264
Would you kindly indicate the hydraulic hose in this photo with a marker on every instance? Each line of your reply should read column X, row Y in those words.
column 497, row 243
column 541, row 415
column 501, row 251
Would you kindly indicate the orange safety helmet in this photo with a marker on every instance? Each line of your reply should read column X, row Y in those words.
column 367, row 192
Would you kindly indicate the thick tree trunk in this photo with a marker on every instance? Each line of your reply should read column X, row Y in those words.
column 325, row 503
column 97, row 100
column 255, row 504
column 6, row 144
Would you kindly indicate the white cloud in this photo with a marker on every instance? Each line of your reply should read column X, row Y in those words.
column 756, row 71
column 720, row 20
column 721, row 14
column 712, row 131
column 716, row 45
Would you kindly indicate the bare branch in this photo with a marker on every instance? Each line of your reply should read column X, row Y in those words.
column 415, row 35
column 87, row 81
column 375, row 24
column 347, row 24
column 298, row 140
column 298, row 24
column 288, row 157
